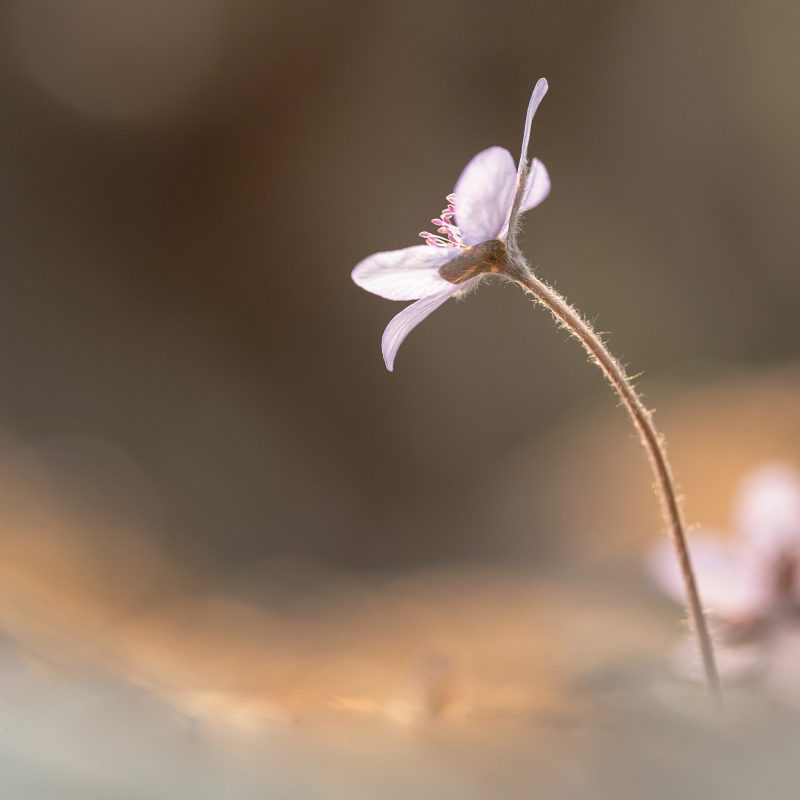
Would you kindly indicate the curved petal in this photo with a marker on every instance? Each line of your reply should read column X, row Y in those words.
column 484, row 194
column 728, row 587
column 408, row 319
column 537, row 188
column 406, row 274
column 539, row 91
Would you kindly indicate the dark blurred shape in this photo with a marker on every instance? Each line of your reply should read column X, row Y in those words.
column 116, row 59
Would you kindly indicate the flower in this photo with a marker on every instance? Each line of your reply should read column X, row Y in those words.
column 750, row 583
column 470, row 241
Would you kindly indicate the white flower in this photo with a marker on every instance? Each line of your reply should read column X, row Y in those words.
column 471, row 236
column 750, row 584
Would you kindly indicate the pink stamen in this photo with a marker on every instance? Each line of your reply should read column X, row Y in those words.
column 447, row 232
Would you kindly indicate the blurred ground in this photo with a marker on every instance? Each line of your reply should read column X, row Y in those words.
column 219, row 514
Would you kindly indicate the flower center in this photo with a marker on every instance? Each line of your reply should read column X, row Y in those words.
column 481, row 259
column 447, row 232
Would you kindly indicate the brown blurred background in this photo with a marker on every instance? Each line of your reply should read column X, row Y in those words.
column 196, row 428
column 187, row 185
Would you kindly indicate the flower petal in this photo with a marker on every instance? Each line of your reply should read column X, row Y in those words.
column 767, row 512
column 484, row 194
column 537, row 188
column 539, row 91
column 728, row 586
column 406, row 274
column 408, row 319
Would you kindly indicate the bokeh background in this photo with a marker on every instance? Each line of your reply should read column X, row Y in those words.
column 210, row 488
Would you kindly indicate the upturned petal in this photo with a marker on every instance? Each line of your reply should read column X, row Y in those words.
column 539, row 91
column 406, row 274
column 408, row 319
column 483, row 195
column 729, row 587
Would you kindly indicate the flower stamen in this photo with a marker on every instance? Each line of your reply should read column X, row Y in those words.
column 447, row 232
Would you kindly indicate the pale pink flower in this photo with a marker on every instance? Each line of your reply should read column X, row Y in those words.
column 471, row 232
column 750, row 584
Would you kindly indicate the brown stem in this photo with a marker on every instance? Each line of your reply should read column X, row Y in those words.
column 517, row 270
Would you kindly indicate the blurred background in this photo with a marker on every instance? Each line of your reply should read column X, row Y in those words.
column 210, row 488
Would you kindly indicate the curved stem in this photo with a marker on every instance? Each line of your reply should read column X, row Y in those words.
column 517, row 270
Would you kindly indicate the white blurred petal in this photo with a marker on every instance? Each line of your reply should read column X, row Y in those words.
column 408, row 319
column 729, row 586
column 406, row 274
column 484, row 194
column 767, row 511
column 539, row 91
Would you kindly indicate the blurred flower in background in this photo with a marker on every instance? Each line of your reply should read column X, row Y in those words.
column 750, row 584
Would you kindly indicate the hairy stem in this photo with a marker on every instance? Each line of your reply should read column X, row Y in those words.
column 516, row 268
